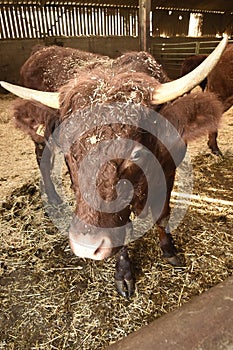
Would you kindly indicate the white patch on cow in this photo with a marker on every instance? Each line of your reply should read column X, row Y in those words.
column 40, row 130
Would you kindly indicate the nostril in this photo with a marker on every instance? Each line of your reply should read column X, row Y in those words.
column 100, row 249
column 104, row 249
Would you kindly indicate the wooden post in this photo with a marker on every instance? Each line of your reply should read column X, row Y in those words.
column 144, row 24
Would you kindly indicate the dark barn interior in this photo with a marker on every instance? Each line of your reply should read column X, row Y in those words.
column 51, row 299
column 109, row 28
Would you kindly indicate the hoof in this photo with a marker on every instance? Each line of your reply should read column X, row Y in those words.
column 54, row 200
column 217, row 153
column 125, row 288
column 215, row 150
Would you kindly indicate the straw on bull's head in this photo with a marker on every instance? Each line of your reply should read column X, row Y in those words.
column 159, row 94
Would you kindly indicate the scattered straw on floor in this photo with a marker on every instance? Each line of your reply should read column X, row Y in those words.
column 51, row 299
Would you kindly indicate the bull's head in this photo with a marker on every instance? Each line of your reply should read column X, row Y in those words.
column 117, row 154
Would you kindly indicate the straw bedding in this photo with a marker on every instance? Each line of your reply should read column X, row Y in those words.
column 51, row 299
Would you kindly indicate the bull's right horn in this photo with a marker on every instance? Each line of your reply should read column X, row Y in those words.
column 50, row 99
column 171, row 90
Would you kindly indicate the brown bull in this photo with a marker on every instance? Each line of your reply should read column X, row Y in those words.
column 107, row 105
column 219, row 81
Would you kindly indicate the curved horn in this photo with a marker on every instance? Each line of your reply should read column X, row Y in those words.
column 169, row 91
column 50, row 99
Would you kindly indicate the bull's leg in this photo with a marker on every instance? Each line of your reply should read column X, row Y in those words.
column 123, row 275
column 167, row 245
column 162, row 218
column 213, row 145
column 45, row 165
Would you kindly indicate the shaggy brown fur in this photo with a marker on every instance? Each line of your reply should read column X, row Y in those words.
column 106, row 86
column 50, row 67
column 220, row 80
column 39, row 122
column 141, row 62
column 30, row 116
column 89, row 99
column 195, row 115
column 192, row 116
column 36, row 48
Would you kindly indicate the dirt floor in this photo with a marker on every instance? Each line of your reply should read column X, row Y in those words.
column 51, row 299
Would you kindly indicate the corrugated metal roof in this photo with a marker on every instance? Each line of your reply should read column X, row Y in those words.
column 201, row 6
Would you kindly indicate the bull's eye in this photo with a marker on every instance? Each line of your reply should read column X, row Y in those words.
column 137, row 153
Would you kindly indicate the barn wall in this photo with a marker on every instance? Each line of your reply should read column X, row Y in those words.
column 170, row 52
column 170, row 23
column 216, row 24
column 14, row 53
column 19, row 21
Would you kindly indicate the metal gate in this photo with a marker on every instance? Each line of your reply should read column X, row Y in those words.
column 171, row 55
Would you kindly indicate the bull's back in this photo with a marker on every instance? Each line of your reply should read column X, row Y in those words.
column 191, row 62
column 51, row 67
column 220, row 80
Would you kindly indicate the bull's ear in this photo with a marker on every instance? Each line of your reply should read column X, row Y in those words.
column 192, row 119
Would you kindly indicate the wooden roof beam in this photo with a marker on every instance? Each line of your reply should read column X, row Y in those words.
column 144, row 24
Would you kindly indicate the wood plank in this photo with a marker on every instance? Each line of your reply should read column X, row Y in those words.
column 74, row 20
column 112, row 22
column 78, row 20
column 34, row 23
column 90, row 20
column 67, row 25
column 52, row 20
column 205, row 322
column 97, row 22
column 22, row 22
column 144, row 24
column 63, row 25
column 3, row 22
column 8, row 23
column 56, row 21
column 86, row 20
column 43, row 21
column 11, row 10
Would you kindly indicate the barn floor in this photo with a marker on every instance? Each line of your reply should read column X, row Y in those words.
column 51, row 299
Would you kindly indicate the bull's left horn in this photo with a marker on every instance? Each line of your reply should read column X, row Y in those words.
column 50, row 99
column 169, row 91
